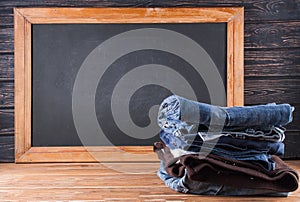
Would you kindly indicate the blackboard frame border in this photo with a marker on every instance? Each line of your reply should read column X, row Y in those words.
column 25, row 17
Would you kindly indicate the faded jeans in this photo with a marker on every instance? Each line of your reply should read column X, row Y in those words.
column 182, row 116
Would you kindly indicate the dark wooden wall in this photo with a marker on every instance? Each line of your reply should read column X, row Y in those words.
column 272, row 55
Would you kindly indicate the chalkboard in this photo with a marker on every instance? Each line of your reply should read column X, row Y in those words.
column 89, row 80
column 59, row 50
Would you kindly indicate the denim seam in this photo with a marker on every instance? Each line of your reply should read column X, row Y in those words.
column 228, row 117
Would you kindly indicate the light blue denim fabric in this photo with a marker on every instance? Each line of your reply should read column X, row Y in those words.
column 275, row 134
column 185, row 185
column 182, row 116
column 193, row 142
column 257, row 152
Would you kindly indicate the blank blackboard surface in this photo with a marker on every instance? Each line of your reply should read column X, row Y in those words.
column 58, row 51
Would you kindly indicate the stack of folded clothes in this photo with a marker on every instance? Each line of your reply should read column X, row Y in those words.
column 212, row 150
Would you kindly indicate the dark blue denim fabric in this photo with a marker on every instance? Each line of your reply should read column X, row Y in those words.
column 186, row 185
column 185, row 116
column 257, row 152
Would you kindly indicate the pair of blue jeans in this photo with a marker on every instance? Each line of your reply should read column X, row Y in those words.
column 186, row 185
column 183, row 116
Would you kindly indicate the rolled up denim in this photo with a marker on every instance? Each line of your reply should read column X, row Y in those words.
column 182, row 116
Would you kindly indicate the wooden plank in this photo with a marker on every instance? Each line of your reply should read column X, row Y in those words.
column 6, row 122
column 19, row 50
column 55, row 182
column 272, row 35
column 6, row 17
column 272, row 89
column 6, row 40
column 27, row 85
column 292, row 144
column 6, row 20
column 97, row 180
column 6, row 10
column 65, row 3
column 88, row 154
column 257, row 35
column 6, row 94
column 238, row 59
column 129, row 15
column 6, row 47
column 7, row 152
column 230, row 71
column 6, row 34
column 82, row 169
column 6, row 66
column 295, row 126
column 255, row 10
column 273, row 62
column 145, row 194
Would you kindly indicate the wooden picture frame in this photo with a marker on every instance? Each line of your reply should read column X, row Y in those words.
column 25, row 17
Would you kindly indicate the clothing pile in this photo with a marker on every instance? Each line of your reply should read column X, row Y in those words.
column 212, row 150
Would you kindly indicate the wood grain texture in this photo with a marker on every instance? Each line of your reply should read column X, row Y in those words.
column 19, row 64
column 257, row 35
column 295, row 126
column 6, row 40
column 272, row 35
column 6, row 95
column 88, row 154
column 260, row 10
column 292, row 140
column 6, row 122
column 27, row 86
column 6, row 17
column 6, row 67
column 7, row 149
column 272, row 89
column 238, row 58
column 129, row 15
column 255, row 9
column 97, row 182
column 258, row 62
column 273, row 62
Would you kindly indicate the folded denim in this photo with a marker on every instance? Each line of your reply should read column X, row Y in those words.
column 220, row 171
column 275, row 134
column 182, row 116
column 194, row 142
column 262, row 160
column 186, row 185
column 257, row 152
column 166, row 155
